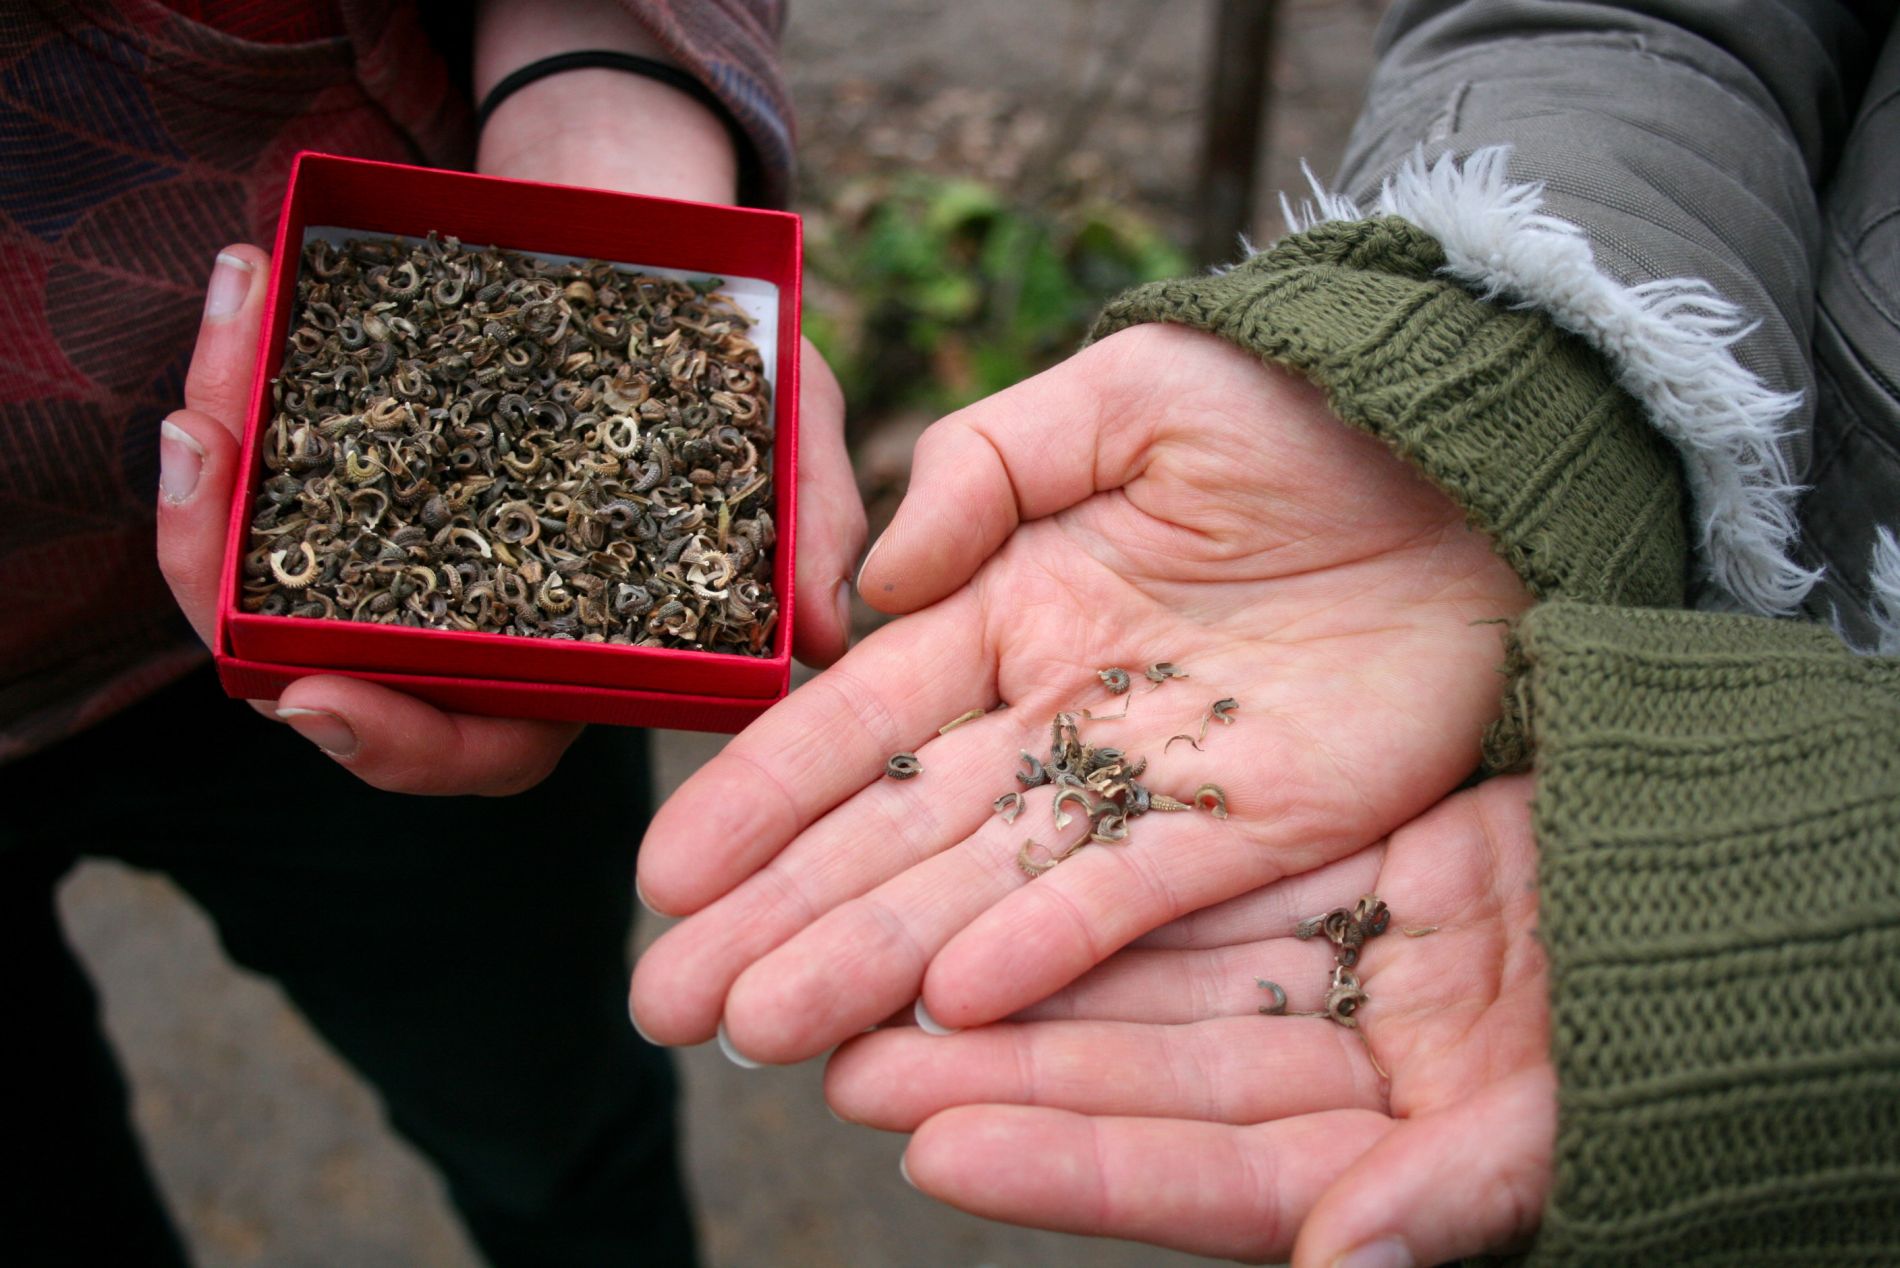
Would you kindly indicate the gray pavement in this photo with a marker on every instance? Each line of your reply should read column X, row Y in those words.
column 270, row 1152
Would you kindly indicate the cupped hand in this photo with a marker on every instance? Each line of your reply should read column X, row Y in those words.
column 388, row 739
column 1150, row 1100
column 1161, row 496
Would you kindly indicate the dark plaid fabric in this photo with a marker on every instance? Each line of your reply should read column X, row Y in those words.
column 134, row 142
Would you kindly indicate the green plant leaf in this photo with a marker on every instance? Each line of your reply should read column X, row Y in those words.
column 954, row 206
column 948, row 291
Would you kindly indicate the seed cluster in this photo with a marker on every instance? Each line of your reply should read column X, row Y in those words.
column 1347, row 929
column 473, row 439
column 1102, row 783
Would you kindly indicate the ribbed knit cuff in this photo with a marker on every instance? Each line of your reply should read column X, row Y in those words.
column 1518, row 421
column 1718, row 819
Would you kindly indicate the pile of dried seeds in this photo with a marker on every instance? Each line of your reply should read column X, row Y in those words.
column 472, row 439
column 1348, row 930
column 1102, row 783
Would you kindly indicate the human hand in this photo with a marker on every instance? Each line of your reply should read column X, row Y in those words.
column 1148, row 1101
column 1160, row 496
column 394, row 741
column 387, row 739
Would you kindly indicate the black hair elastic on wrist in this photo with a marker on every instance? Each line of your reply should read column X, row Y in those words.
column 608, row 59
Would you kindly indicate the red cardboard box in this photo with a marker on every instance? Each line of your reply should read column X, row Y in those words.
column 758, row 252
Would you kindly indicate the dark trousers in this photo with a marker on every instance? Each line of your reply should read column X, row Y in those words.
column 468, row 956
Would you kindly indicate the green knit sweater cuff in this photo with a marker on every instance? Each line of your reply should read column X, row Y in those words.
column 1518, row 421
column 1718, row 820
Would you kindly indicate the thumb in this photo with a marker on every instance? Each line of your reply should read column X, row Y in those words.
column 198, row 462
column 1028, row 451
column 401, row 744
column 1471, row 1178
column 219, row 381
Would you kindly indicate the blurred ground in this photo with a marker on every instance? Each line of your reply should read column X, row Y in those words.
column 979, row 86
column 268, row 1151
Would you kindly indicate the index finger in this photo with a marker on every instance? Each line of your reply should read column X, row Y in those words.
column 824, row 742
column 225, row 357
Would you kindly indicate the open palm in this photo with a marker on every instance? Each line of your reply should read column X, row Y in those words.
column 1150, row 1101
column 1161, row 496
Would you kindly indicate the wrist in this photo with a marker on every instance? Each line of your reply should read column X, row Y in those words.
column 609, row 129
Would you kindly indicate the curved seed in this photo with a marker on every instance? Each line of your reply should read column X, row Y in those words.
column 1031, row 867
column 1210, row 798
column 1076, row 795
column 303, row 576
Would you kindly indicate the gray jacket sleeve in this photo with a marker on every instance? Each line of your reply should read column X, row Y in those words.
column 1686, row 139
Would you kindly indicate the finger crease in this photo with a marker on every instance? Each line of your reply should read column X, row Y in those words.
column 794, row 820
column 1078, row 919
column 897, row 931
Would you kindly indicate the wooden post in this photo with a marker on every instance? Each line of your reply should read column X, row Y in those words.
column 1236, row 116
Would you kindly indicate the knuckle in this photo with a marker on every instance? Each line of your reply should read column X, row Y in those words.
column 211, row 380
column 931, row 440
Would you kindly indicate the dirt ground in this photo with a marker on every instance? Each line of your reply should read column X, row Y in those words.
column 267, row 1149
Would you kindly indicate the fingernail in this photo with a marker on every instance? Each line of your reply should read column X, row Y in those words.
column 835, row 1114
column 733, row 1054
column 635, row 1019
column 641, row 894
column 1388, row 1252
column 859, row 583
column 843, row 600
column 929, row 1024
column 325, row 730
column 230, row 283
column 180, row 459
column 903, row 1169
